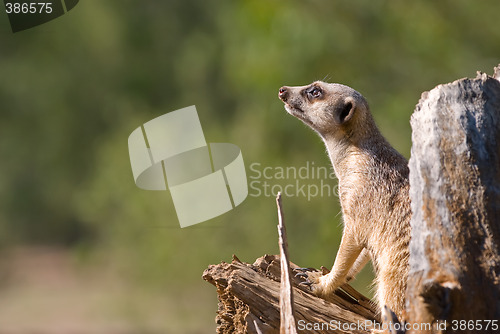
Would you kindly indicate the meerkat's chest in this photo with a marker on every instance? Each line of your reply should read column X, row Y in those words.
column 364, row 197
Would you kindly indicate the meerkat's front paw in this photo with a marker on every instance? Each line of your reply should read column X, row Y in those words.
column 318, row 283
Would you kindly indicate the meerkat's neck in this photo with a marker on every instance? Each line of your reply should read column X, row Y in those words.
column 355, row 155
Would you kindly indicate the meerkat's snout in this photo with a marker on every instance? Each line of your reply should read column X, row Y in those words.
column 294, row 102
column 283, row 93
column 287, row 96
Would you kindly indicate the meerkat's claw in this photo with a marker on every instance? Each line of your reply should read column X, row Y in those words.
column 314, row 276
column 301, row 275
column 303, row 269
column 304, row 274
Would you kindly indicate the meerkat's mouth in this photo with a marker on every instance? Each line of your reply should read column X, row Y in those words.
column 298, row 113
column 293, row 110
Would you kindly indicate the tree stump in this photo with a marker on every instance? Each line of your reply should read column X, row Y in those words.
column 455, row 195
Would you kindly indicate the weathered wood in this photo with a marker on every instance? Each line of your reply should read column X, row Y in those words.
column 287, row 318
column 455, row 194
column 249, row 298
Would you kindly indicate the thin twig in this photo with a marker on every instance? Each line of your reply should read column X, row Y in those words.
column 287, row 324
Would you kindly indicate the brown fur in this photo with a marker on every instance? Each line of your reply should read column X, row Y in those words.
column 373, row 189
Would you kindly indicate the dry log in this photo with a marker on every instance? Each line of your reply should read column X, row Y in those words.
column 455, row 194
column 249, row 301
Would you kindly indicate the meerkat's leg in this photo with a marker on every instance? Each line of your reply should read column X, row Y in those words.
column 360, row 263
column 348, row 252
column 391, row 282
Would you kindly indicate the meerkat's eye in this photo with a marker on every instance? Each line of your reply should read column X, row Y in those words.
column 315, row 92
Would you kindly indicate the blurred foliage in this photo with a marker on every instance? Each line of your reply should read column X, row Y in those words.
column 72, row 91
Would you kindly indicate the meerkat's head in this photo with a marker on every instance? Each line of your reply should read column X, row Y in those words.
column 328, row 108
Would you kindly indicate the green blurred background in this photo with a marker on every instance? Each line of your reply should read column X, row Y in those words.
column 82, row 248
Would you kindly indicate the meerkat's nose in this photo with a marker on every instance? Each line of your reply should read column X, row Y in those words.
column 283, row 93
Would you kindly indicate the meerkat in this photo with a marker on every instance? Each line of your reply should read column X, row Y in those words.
column 373, row 190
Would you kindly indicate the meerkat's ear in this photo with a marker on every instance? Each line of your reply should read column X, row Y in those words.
column 345, row 110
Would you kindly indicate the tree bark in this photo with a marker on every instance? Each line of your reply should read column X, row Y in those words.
column 455, row 194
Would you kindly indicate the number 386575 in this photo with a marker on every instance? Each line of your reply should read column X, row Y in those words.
column 28, row 8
